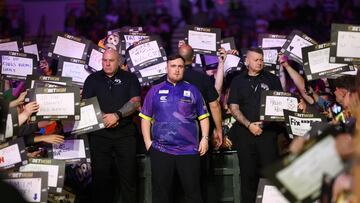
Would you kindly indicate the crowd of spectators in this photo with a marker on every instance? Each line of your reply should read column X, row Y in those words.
column 238, row 22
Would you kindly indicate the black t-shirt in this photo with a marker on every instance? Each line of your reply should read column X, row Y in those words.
column 201, row 81
column 112, row 93
column 246, row 91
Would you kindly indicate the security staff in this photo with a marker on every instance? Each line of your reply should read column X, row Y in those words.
column 118, row 93
column 257, row 141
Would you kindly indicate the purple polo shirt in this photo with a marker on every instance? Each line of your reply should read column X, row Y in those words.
column 174, row 110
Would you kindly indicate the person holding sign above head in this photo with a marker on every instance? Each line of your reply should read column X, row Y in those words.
column 169, row 126
column 118, row 93
column 257, row 141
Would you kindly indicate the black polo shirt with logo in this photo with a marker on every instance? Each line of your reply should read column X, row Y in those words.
column 112, row 93
column 246, row 91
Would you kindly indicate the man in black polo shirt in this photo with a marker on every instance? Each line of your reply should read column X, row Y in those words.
column 118, row 93
column 257, row 141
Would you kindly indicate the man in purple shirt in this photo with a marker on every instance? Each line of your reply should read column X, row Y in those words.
column 173, row 108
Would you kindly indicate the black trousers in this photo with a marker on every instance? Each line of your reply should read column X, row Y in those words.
column 254, row 153
column 163, row 169
column 102, row 151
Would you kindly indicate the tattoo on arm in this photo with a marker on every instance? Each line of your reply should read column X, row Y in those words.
column 129, row 108
column 236, row 113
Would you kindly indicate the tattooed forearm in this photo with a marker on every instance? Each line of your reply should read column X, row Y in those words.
column 236, row 113
column 129, row 108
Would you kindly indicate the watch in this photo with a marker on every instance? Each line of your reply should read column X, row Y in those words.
column 119, row 114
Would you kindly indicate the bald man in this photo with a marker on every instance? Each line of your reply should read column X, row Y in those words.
column 118, row 93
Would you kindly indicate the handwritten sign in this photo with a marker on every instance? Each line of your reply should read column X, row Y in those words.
column 202, row 40
column 300, row 123
column 270, row 56
column 10, row 155
column 56, row 104
column 316, row 62
column 232, row 63
column 88, row 117
column 153, row 70
column 228, row 43
column 95, row 60
column 52, row 170
column 296, row 44
column 32, row 49
column 19, row 66
column 144, row 52
column 226, row 46
column 271, row 40
column 76, row 71
column 348, row 44
column 70, row 149
column 91, row 118
column 275, row 105
column 131, row 39
column 9, row 46
column 345, row 44
column 69, row 48
column 30, row 188
column 300, row 126
column 303, row 177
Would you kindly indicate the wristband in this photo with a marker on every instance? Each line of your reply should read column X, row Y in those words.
column 206, row 137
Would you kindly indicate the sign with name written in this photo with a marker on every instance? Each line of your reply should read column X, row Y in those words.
column 130, row 38
column 345, row 44
column 299, row 177
column 317, row 65
column 72, row 150
column 31, row 185
column 13, row 154
column 273, row 103
column 298, row 124
column 271, row 60
column 294, row 43
column 151, row 73
column 33, row 81
column 91, row 118
column 56, row 103
column 16, row 65
column 203, row 40
column 271, row 40
column 65, row 45
column 94, row 58
column 11, row 44
column 74, row 68
column 31, row 47
column 54, row 168
column 145, row 53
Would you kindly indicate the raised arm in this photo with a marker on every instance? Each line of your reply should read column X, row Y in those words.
column 296, row 77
